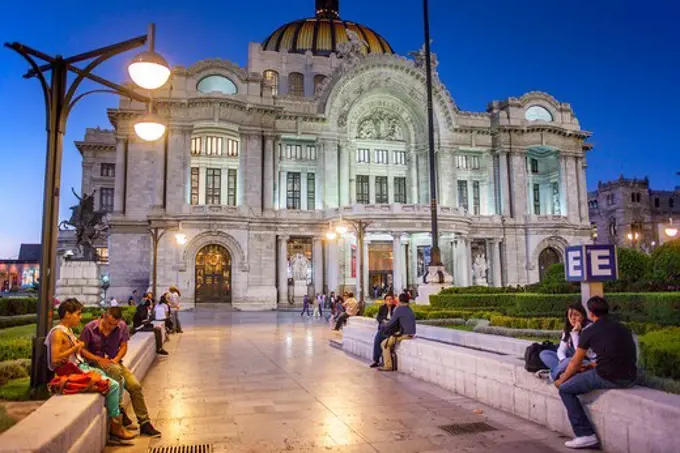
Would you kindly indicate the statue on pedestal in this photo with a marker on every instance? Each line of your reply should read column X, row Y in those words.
column 299, row 266
column 479, row 269
column 88, row 224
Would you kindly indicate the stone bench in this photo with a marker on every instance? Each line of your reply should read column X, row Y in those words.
column 75, row 423
column 636, row 420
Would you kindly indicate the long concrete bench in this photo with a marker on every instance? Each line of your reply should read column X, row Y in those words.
column 636, row 420
column 75, row 423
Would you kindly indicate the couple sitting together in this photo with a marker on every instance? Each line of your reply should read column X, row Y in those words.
column 395, row 323
column 596, row 352
column 94, row 363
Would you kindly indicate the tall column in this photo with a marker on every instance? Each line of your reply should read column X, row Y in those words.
column 452, row 263
column 277, row 173
column 252, row 190
column 268, row 177
column 178, row 163
column 402, row 268
column 565, row 195
column 224, row 190
column 504, row 180
column 413, row 178
column 119, row 191
column 366, row 266
column 413, row 261
column 282, row 190
column 283, row 269
column 329, row 173
column 496, row 262
column 332, row 265
column 520, row 194
column 317, row 261
column 352, row 174
column 423, row 179
column 447, row 177
column 468, row 262
column 344, row 174
column 242, row 170
column 396, row 263
column 303, row 190
column 582, row 193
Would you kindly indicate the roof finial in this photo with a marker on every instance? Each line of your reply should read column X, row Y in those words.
column 329, row 9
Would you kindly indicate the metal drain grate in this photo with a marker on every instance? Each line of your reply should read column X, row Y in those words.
column 457, row 429
column 198, row 448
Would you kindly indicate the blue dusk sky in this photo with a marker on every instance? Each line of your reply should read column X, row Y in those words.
column 616, row 62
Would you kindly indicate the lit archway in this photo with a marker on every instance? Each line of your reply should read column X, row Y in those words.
column 213, row 275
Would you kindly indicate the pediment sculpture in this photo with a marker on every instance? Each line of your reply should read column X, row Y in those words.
column 380, row 126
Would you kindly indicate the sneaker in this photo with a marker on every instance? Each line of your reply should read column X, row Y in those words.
column 542, row 374
column 582, row 442
column 162, row 352
column 128, row 423
column 148, row 430
column 374, row 365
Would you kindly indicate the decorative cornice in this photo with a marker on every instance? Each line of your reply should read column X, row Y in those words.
column 208, row 64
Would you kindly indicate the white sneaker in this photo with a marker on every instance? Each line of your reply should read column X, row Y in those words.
column 542, row 374
column 582, row 442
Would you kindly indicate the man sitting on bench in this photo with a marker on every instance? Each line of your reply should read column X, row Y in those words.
column 401, row 327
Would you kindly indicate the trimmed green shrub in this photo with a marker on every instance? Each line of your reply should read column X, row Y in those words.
column 527, row 323
column 12, row 306
column 633, row 264
column 665, row 262
column 554, row 274
column 660, row 352
column 14, row 369
column 18, row 320
column 15, row 348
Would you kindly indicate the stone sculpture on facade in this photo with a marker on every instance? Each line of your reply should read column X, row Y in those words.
column 419, row 57
column 299, row 266
column 352, row 51
column 380, row 126
column 479, row 269
column 89, row 225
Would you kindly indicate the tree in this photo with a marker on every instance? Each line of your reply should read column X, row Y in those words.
column 665, row 262
column 633, row 264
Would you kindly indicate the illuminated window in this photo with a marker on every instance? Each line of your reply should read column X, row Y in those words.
column 363, row 156
column 213, row 146
column 381, row 196
column 272, row 79
column 102, row 255
column 475, row 198
column 400, row 190
column 232, row 148
column 399, row 158
column 106, row 199
column 216, row 84
column 231, row 186
column 381, row 156
column 311, row 191
column 213, row 185
column 194, row 185
column 108, row 170
column 296, row 84
column 196, row 146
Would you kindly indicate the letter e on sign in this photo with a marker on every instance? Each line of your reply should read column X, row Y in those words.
column 574, row 268
column 601, row 263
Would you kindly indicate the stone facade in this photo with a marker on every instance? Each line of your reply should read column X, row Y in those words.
column 251, row 168
column 624, row 206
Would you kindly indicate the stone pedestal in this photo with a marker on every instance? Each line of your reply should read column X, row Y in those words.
column 432, row 284
column 79, row 279
column 299, row 291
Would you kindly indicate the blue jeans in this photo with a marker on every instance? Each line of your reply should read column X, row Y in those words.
column 305, row 308
column 556, row 366
column 377, row 349
column 578, row 385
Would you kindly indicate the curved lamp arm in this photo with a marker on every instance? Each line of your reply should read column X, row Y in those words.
column 43, row 83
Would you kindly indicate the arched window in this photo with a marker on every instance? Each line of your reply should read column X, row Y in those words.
column 296, row 84
column 216, row 83
column 318, row 81
column 271, row 78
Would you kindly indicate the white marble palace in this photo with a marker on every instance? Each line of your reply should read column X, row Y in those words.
column 324, row 124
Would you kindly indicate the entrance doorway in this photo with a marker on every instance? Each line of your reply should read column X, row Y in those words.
column 548, row 257
column 213, row 275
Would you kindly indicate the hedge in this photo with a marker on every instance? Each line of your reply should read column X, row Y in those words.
column 528, row 323
column 18, row 320
column 15, row 348
column 660, row 352
column 425, row 312
column 661, row 308
column 12, row 306
column 14, row 369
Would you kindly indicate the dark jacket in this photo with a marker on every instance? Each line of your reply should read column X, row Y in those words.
column 383, row 311
column 141, row 317
column 403, row 322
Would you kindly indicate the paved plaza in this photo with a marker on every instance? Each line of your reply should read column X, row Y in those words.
column 270, row 382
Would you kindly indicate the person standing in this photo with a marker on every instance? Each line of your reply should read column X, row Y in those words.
column 305, row 306
column 615, row 367
column 174, row 302
column 105, row 343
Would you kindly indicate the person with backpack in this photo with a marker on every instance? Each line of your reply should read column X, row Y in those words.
column 615, row 367
column 575, row 320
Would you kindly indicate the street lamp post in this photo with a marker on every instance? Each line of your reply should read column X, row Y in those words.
column 435, row 258
column 59, row 101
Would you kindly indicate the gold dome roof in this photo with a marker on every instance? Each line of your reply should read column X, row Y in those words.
column 322, row 34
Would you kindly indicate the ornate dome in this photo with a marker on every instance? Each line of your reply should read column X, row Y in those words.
column 323, row 33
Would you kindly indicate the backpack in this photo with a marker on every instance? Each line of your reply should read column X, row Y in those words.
column 532, row 361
